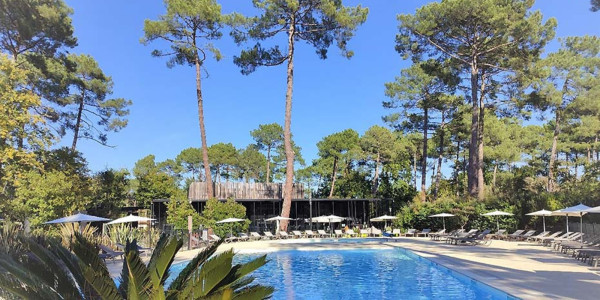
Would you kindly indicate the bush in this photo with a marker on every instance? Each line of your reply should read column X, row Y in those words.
column 216, row 210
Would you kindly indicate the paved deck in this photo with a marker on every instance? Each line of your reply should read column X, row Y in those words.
column 522, row 269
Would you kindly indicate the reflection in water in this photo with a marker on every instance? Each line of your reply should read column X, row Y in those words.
column 362, row 274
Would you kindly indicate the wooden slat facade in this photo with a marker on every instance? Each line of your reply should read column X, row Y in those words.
column 242, row 190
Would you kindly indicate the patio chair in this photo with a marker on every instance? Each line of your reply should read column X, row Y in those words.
column 141, row 250
column 525, row 236
column 412, row 232
column 255, row 236
column 310, row 234
column 590, row 243
column 243, row 237
column 351, row 233
column 109, row 253
column 322, row 233
column 269, row 235
column 375, row 232
column 283, row 235
column 548, row 240
column 231, row 238
column 478, row 239
column 338, row 233
column 364, row 232
column 424, row 233
column 213, row 238
column 434, row 235
column 514, row 234
column 541, row 238
column 461, row 234
column 499, row 234
column 541, row 234
column 557, row 242
column 396, row 232
column 297, row 234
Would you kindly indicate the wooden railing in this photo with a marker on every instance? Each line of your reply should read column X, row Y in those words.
column 242, row 190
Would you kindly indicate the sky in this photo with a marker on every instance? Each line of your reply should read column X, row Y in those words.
column 329, row 95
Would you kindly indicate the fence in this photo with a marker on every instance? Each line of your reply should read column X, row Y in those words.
column 243, row 190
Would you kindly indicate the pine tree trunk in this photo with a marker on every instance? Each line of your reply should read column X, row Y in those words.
column 480, row 177
column 424, row 156
column 415, row 169
column 287, row 135
column 78, row 122
column 268, row 163
column 472, row 173
column 333, row 176
column 553, row 153
column 458, row 164
column 376, row 176
column 494, row 177
column 209, row 183
column 438, row 177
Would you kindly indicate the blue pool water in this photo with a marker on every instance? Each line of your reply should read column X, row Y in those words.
column 363, row 274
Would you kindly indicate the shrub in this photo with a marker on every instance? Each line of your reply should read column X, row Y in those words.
column 216, row 210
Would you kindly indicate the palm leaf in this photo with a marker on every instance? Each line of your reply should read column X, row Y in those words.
column 240, row 270
column 55, row 273
column 254, row 292
column 23, row 282
column 162, row 258
column 124, row 279
column 94, row 269
column 192, row 266
column 138, row 277
column 212, row 272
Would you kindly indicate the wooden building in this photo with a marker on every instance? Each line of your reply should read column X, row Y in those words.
column 264, row 200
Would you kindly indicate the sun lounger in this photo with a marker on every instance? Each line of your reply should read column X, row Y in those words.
column 375, row 232
column 283, row 235
column 231, row 238
column 338, row 233
column 412, row 232
column 461, row 235
column 310, row 234
column 424, row 233
column 141, row 250
column 433, row 235
column 243, row 237
column 478, row 239
column 499, row 234
column 255, row 236
column 445, row 236
column 351, row 233
column 297, row 234
column 396, row 232
column 567, row 246
column 557, row 242
column 542, row 234
column 322, row 233
column 109, row 253
column 269, row 235
column 549, row 237
column 514, row 234
column 525, row 236
column 213, row 238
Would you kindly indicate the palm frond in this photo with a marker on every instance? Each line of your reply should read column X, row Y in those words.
column 124, row 279
column 192, row 266
column 162, row 258
column 208, row 278
column 240, row 270
column 138, row 277
column 254, row 292
column 94, row 270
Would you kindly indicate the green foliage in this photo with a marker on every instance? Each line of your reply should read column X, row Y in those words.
column 178, row 210
column 187, row 25
column 45, row 269
column 191, row 161
column 111, row 189
column 92, row 115
column 251, row 164
column 268, row 137
column 22, row 129
column 44, row 197
column 222, row 157
column 216, row 210
column 318, row 23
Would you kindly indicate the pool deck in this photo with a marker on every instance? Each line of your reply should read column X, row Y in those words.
column 524, row 270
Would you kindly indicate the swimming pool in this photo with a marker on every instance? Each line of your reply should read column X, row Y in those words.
column 363, row 274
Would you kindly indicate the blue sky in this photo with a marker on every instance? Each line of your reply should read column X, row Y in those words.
column 329, row 95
